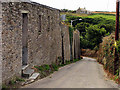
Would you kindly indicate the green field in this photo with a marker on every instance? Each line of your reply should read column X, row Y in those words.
column 104, row 16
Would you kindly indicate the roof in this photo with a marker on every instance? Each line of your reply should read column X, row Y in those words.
column 15, row 1
column 82, row 9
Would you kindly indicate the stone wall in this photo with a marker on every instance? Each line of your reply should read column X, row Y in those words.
column 34, row 31
column 66, row 41
column 43, row 43
column 76, row 44
column 0, row 45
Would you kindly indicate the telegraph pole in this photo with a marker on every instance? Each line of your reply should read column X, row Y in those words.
column 116, row 66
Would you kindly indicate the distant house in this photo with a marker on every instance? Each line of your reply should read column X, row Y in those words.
column 83, row 11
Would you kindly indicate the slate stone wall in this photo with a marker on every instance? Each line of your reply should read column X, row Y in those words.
column 43, row 38
column 44, row 46
column 66, row 41
column 76, row 44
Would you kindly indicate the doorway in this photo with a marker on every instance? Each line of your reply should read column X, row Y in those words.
column 24, row 39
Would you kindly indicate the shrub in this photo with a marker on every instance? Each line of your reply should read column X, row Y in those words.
column 118, row 46
column 12, row 82
column 47, row 67
column 4, row 87
column 55, row 67
column 82, row 27
column 94, row 35
column 20, row 79
column 106, row 53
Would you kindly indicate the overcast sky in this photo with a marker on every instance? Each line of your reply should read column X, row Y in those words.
column 93, row 5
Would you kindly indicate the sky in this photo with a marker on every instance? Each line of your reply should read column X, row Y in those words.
column 92, row 5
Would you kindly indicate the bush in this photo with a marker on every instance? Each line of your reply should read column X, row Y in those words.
column 47, row 67
column 4, row 87
column 106, row 53
column 118, row 46
column 55, row 67
column 94, row 35
column 92, row 29
column 82, row 27
column 108, row 27
column 20, row 79
column 84, row 43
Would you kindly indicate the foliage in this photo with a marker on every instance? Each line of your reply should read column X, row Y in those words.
column 82, row 27
column 106, row 53
column 12, row 82
column 118, row 46
column 107, row 16
column 47, row 67
column 55, row 67
column 92, row 28
column 94, row 35
column 73, row 14
column 20, row 79
column 75, row 60
column 4, row 87
column 108, row 27
column 71, row 29
column 41, row 68
column 66, row 10
column 84, row 43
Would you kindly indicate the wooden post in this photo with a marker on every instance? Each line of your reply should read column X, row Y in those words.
column 116, row 60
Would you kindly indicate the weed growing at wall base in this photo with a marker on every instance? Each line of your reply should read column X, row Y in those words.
column 13, row 83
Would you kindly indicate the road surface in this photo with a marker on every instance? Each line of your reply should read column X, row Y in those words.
column 86, row 73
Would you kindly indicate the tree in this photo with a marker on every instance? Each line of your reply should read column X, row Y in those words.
column 82, row 27
column 94, row 35
column 108, row 27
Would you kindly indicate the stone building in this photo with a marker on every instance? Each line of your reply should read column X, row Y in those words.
column 83, row 11
column 30, row 34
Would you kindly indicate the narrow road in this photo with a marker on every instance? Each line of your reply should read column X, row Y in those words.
column 86, row 73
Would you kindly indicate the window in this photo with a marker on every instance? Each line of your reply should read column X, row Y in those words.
column 48, row 23
column 39, row 24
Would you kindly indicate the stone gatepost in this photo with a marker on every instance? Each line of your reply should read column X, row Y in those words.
column 76, row 44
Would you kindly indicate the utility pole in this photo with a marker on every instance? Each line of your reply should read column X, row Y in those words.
column 116, row 60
